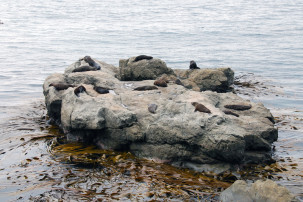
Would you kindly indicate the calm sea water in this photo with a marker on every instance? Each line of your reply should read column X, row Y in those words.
column 38, row 38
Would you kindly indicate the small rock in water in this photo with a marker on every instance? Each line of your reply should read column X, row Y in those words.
column 152, row 108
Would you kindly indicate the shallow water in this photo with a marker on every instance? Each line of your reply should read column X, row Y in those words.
column 38, row 38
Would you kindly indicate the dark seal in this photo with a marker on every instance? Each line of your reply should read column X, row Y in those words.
column 179, row 82
column 239, row 107
column 143, row 57
column 61, row 86
column 193, row 65
column 152, row 108
column 230, row 113
column 91, row 62
column 160, row 82
column 200, row 107
column 79, row 89
column 101, row 90
column 84, row 69
column 142, row 88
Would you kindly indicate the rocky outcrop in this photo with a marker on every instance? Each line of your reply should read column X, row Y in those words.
column 259, row 191
column 173, row 131
column 132, row 70
column 218, row 80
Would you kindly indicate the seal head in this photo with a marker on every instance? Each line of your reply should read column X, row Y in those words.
column 79, row 89
column 193, row 65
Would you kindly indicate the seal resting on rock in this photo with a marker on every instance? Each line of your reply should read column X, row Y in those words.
column 101, row 90
column 179, row 82
column 193, row 65
column 160, row 82
column 200, row 107
column 143, row 57
column 91, row 62
column 141, row 88
column 61, row 86
column 84, row 69
column 230, row 113
column 239, row 107
column 79, row 89
column 152, row 108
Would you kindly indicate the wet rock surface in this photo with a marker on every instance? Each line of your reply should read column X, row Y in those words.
column 259, row 191
column 38, row 163
column 176, row 133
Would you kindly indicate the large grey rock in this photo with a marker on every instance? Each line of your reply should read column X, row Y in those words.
column 174, row 133
column 259, row 191
column 142, row 69
column 218, row 80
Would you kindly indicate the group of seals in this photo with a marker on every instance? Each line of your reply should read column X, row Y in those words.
column 91, row 62
column 240, row 107
column 64, row 86
column 142, row 57
column 200, row 107
column 193, row 65
column 92, row 65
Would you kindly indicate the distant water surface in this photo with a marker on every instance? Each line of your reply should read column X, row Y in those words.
column 38, row 38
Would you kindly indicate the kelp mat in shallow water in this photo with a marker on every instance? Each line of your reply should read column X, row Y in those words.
column 36, row 163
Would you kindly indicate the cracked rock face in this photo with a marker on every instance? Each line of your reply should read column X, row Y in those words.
column 174, row 132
